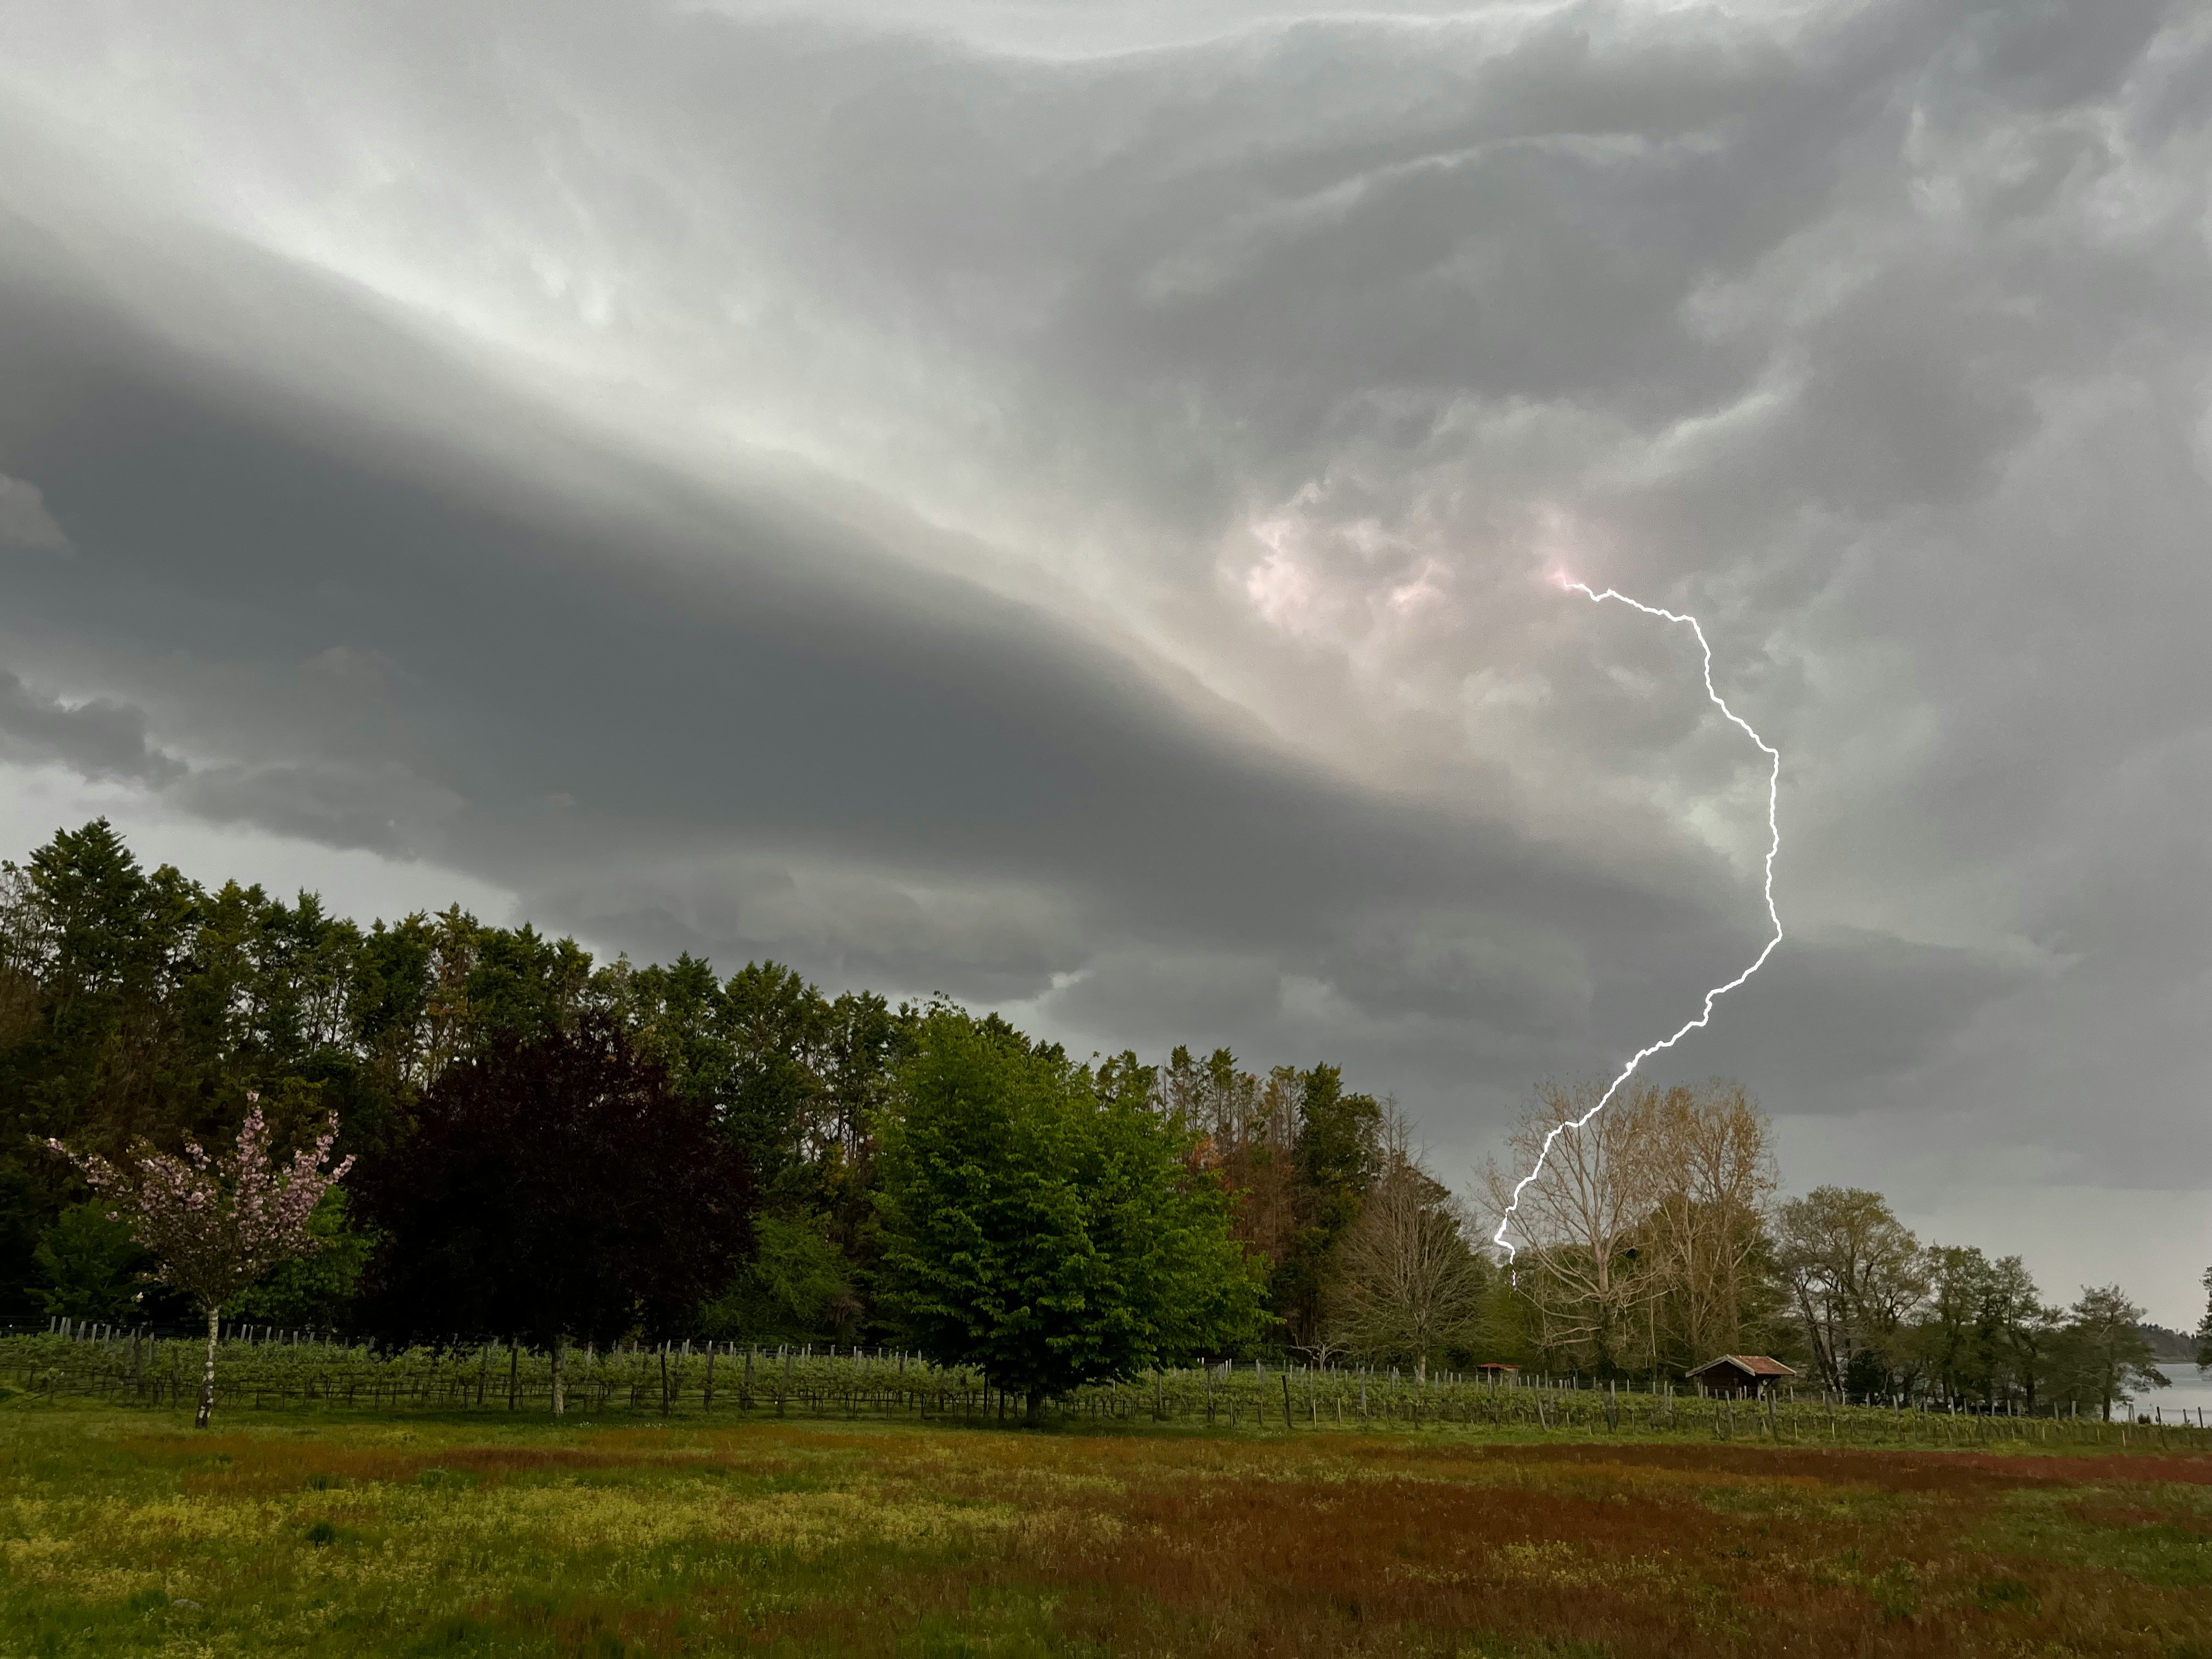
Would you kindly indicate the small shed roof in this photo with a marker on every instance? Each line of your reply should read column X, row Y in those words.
column 1495, row 1365
column 1751, row 1364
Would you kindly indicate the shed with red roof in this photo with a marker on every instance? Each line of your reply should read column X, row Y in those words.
column 1734, row 1375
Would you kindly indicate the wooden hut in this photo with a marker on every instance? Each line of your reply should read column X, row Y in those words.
column 1737, row 1375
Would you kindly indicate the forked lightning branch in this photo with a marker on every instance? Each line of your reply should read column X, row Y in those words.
column 1773, row 847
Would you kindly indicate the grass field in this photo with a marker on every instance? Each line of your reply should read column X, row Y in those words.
column 123, row 1531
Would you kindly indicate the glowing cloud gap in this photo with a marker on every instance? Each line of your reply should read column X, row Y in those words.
column 1773, row 847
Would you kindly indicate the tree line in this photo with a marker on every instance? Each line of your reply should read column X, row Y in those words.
column 562, row 1149
column 1654, row 1238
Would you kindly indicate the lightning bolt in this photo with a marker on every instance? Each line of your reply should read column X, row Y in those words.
column 1773, row 847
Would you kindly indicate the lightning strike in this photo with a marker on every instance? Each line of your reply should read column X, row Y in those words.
column 1773, row 847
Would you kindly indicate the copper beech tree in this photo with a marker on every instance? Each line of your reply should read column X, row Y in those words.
column 558, row 1190
column 216, row 1223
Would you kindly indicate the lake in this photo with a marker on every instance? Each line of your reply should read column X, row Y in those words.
column 2191, row 1392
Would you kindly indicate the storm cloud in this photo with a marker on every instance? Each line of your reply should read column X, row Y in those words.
column 1065, row 511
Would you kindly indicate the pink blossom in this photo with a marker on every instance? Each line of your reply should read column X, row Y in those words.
column 214, row 1225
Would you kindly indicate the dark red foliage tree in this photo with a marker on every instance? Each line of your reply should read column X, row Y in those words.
column 555, row 1187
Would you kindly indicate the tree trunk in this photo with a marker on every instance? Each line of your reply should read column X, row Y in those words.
column 207, row 1377
column 1035, row 1416
column 560, row 1374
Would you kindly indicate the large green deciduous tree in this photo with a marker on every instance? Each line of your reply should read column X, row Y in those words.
column 2104, row 1355
column 2204, row 1325
column 1044, row 1221
column 93, row 1267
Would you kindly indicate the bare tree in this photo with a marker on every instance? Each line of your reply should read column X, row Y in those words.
column 1581, row 1263
column 1410, row 1285
column 1715, row 1175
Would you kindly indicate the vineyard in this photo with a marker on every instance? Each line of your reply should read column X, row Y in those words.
column 276, row 1372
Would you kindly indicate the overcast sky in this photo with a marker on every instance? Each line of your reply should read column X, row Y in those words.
column 1062, row 506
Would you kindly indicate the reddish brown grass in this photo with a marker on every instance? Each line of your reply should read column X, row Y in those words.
column 1384, row 1546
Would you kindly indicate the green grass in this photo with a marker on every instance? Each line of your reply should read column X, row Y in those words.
column 122, row 1530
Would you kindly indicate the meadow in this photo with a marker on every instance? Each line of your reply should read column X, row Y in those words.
column 326, row 1529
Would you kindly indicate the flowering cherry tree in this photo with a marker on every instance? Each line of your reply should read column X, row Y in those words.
column 213, row 1223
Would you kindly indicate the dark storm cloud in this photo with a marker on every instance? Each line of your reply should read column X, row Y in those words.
column 26, row 526
column 100, row 740
column 424, row 655
column 1849, row 1017
column 1053, row 507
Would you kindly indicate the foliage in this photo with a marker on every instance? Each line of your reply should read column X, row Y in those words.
column 556, row 1185
column 316, row 1289
column 2204, row 1325
column 137, row 1005
column 93, row 1267
column 140, row 1003
column 1857, row 1275
column 1338, row 1157
column 1042, row 1226
column 1298, row 1152
column 2104, row 1357
column 1983, row 1332
column 797, row 1288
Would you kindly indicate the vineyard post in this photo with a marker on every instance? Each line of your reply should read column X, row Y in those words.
column 664, row 1379
column 745, row 1387
column 560, row 1373
column 514, row 1369
column 1285, row 1376
column 706, row 1395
